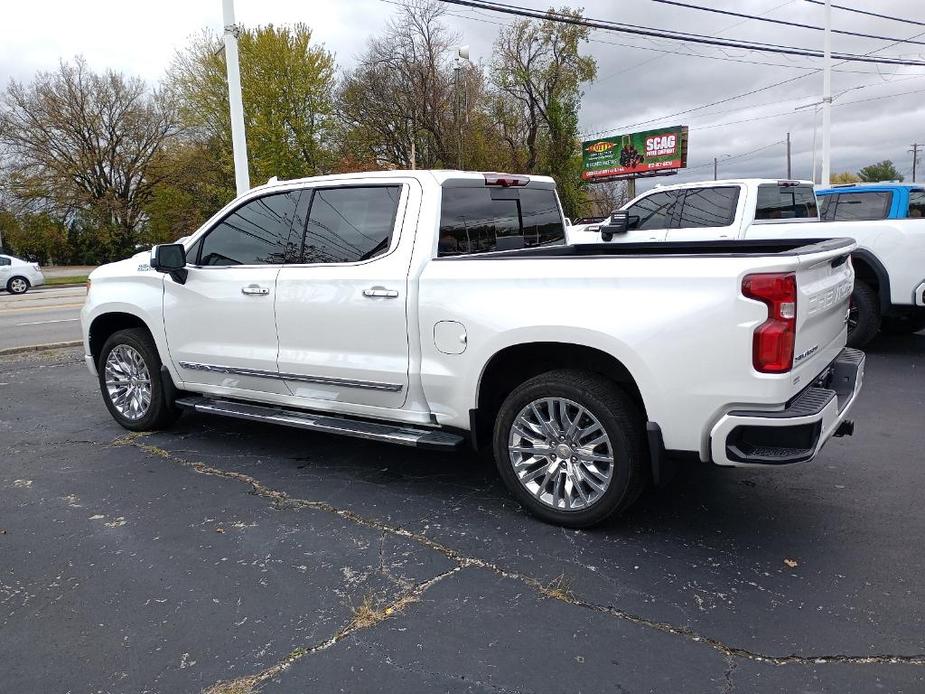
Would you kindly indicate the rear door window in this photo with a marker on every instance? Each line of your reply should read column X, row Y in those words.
column 785, row 202
column 484, row 219
column 851, row 207
column 653, row 211
column 708, row 207
column 351, row 223
column 917, row 204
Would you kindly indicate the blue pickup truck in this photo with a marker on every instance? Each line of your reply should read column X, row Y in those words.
column 869, row 201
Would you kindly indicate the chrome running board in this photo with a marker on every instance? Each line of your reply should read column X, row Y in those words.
column 432, row 439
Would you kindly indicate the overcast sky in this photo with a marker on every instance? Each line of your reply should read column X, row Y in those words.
column 641, row 82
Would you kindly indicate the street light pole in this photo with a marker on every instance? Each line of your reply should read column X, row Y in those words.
column 238, row 137
column 827, row 97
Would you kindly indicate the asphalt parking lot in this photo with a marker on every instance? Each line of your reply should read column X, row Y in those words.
column 237, row 557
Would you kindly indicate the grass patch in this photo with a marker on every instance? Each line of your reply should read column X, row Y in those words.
column 73, row 279
column 560, row 588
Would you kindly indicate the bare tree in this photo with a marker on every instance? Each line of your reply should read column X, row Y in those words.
column 403, row 91
column 537, row 63
column 607, row 196
column 78, row 141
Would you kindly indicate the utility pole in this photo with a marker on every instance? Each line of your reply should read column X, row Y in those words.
column 827, row 97
column 789, row 176
column 915, row 158
column 715, row 169
column 238, row 137
column 462, row 57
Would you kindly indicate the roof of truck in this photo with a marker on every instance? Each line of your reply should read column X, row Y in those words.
column 869, row 187
column 441, row 176
column 732, row 181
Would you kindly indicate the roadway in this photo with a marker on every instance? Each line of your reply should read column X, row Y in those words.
column 40, row 316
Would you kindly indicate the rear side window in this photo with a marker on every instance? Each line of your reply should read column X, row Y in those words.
column 917, row 204
column 653, row 211
column 848, row 207
column 483, row 219
column 349, row 224
column 826, row 207
column 785, row 202
column 257, row 233
column 5, row 261
column 708, row 207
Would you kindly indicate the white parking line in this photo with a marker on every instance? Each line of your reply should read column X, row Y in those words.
column 46, row 322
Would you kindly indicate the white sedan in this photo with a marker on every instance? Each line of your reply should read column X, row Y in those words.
column 17, row 276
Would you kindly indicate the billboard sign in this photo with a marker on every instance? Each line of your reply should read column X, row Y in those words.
column 648, row 153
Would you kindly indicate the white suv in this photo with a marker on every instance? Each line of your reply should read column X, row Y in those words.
column 17, row 276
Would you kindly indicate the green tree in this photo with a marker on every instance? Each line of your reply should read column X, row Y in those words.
column 287, row 85
column 38, row 237
column 881, row 171
column 192, row 188
column 562, row 158
column 844, row 177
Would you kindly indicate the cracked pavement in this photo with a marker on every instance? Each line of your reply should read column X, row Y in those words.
column 226, row 556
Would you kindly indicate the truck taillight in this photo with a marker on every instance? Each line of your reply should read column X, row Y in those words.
column 773, row 342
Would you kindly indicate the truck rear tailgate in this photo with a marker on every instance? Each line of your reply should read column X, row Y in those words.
column 824, row 282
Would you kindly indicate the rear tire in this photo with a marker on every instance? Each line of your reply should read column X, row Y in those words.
column 129, row 370
column 554, row 467
column 18, row 285
column 863, row 316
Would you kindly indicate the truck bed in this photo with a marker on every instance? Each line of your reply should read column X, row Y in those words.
column 716, row 249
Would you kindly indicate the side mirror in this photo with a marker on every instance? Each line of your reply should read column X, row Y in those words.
column 619, row 223
column 171, row 259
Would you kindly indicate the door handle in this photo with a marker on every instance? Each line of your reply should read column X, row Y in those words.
column 380, row 292
column 255, row 290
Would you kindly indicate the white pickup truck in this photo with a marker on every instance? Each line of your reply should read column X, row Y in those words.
column 889, row 260
column 429, row 307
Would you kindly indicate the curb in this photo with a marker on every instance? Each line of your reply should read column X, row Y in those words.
column 40, row 348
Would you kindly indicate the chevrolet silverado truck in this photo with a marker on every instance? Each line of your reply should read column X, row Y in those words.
column 889, row 261
column 428, row 308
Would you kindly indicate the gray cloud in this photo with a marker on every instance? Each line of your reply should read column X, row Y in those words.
column 636, row 81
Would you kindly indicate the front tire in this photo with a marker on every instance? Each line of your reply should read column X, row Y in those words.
column 129, row 373
column 570, row 447
column 18, row 285
column 863, row 315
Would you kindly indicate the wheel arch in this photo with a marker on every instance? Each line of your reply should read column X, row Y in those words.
column 106, row 324
column 869, row 269
column 514, row 364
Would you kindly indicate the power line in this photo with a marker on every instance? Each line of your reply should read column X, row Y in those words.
column 811, row 27
column 725, row 57
column 790, row 113
column 904, row 20
column 696, row 108
column 741, row 155
column 739, row 96
column 680, row 36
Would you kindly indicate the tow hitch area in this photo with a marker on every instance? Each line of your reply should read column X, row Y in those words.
column 846, row 428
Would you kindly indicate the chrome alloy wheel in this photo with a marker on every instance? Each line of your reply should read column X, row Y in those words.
column 18, row 285
column 561, row 454
column 128, row 382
